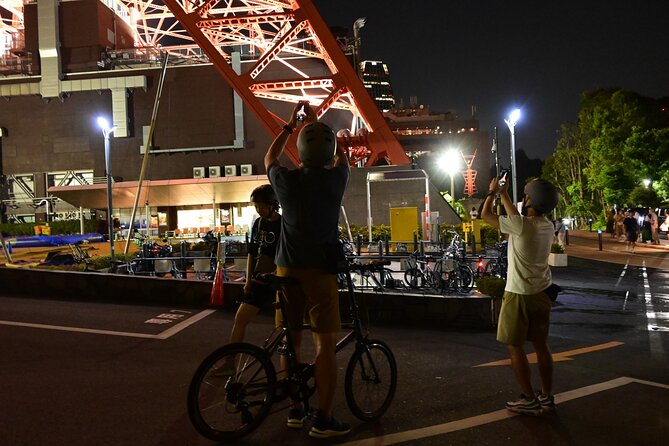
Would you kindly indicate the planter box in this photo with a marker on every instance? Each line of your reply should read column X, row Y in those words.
column 557, row 259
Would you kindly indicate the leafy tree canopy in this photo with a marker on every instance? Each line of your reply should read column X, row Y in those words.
column 620, row 139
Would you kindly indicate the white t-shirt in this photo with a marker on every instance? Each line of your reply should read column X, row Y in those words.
column 530, row 240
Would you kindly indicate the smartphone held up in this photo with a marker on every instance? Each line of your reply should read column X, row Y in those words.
column 503, row 177
column 302, row 111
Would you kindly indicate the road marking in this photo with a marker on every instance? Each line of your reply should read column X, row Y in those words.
column 491, row 417
column 622, row 274
column 557, row 357
column 163, row 335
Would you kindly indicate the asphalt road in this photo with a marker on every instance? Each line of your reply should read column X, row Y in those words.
column 81, row 373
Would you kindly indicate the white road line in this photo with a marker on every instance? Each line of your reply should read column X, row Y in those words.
column 655, row 341
column 491, row 417
column 622, row 274
column 164, row 335
column 185, row 324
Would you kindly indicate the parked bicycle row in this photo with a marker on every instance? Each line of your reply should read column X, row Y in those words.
column 450, row 270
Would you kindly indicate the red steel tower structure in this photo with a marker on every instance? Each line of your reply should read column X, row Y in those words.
column 282, row 32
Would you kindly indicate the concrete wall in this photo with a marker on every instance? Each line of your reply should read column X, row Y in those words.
column 387, row 194
column 435, row 311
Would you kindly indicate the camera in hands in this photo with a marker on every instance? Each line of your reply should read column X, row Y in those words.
column 302, row 111
column 503, row 177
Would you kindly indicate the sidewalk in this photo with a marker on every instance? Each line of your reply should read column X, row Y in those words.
column 584, row 244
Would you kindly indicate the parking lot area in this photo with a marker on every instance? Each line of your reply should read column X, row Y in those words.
column 107, row 374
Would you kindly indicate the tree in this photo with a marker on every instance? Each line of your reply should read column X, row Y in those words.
column 620, row 139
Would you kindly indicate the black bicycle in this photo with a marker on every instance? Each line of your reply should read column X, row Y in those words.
column 236, row 386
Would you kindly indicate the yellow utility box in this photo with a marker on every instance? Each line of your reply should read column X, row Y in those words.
column 474, row 227
column 403, row 223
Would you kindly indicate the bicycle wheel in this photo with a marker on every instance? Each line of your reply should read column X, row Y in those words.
column 231, row 392
column 465, row 279
column 414, row 278
column 493, row 269
column 371, row 379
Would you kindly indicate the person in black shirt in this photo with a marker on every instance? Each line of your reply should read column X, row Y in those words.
column 262, row 249
column 632, row 228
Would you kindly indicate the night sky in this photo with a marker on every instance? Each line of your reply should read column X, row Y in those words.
column 497, row 55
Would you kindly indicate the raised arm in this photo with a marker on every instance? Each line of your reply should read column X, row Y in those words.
column 488, row 213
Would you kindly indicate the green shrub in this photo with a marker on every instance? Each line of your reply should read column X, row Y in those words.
column 491, row 286
column 62, row 227
column 379, row 232
column 489, row 234
column 557, row 248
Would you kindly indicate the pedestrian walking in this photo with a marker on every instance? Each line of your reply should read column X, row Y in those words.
column 632, row 230
column 610, row 222
column 654, row 227
column 619, row 229
column 526, row 306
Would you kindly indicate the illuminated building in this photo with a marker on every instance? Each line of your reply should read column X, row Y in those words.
column 426, row 134
column 376, row 78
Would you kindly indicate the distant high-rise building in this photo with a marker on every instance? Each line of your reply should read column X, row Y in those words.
column 376, row 77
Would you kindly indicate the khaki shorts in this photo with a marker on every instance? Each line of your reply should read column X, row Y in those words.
column 523, row 318
column 315, row 297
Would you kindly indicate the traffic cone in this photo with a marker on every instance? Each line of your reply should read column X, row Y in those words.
column 216, row 299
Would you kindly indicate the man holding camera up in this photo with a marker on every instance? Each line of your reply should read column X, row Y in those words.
column 525, row 312
column 311, row 197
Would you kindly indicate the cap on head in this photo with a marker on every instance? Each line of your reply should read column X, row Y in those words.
column 543, row 195
column 316, row 144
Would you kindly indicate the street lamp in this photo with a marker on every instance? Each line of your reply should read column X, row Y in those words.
column 511, row 123
column 106, row 131
column 646, row 182
column 450, row 162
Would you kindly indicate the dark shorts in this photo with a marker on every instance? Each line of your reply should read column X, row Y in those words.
column 632, row 236
column 260, row 295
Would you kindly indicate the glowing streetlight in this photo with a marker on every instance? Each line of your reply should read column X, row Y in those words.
column 106, row 131
column 646, row 182
column 450, row 162
column 511, row 123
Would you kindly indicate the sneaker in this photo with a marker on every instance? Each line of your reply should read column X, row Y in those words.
column 525, row 405
column 328, row 427
column 296, row 417
column 547, row 402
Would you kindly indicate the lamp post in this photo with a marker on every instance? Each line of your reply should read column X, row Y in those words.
column 450, row 162
column 106, row 131
column 511, row 123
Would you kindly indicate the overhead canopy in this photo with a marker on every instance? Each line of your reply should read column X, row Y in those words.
column 180, row 192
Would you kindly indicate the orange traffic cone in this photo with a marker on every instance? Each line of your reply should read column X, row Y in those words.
column 217, row 291
column 216, row 298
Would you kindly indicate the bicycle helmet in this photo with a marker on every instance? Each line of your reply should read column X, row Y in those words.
column 543, row 195
column 316, row 145
column 264, row 194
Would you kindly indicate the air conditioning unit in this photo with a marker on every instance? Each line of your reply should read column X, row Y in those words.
column 231, row 171
column 246, row 169
column 214, row 171
column 199, row 172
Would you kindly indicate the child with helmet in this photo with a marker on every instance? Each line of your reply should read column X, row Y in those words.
column 262, row 249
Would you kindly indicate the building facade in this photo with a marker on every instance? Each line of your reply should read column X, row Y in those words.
column 206, row 148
